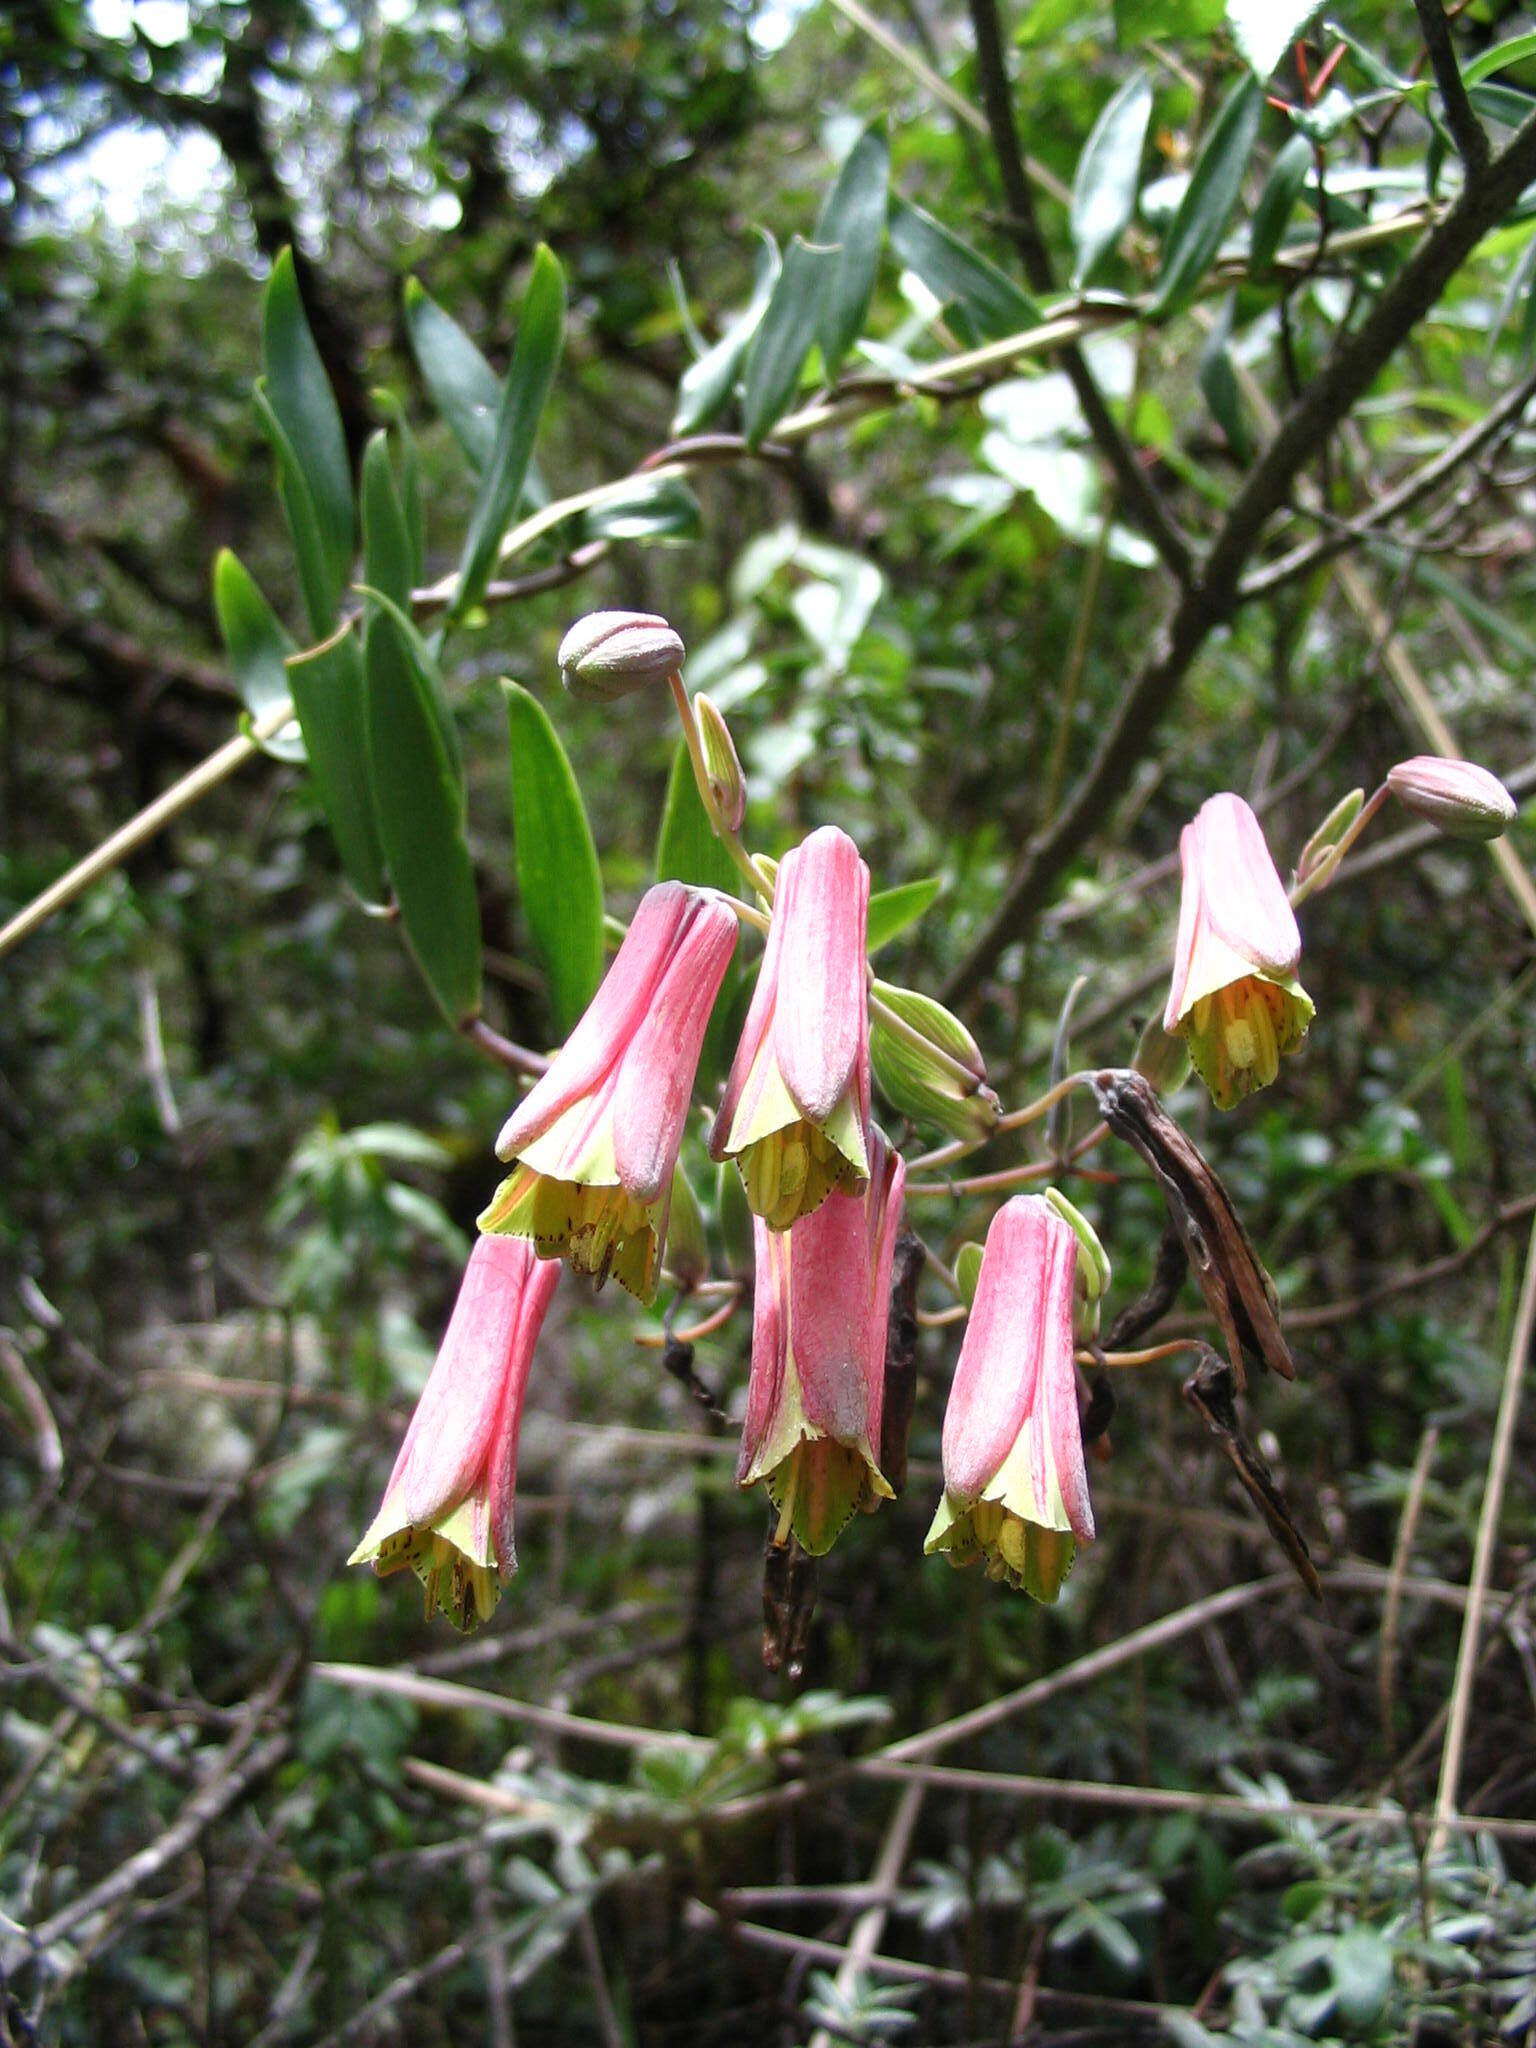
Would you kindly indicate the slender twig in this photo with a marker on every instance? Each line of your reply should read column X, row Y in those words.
column 1466, row 130
column 864, row 1942
column 440, row 1692
column 1392, row 1606
column 1460, row 1709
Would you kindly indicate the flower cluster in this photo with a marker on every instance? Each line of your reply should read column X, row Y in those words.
column 593, row 1151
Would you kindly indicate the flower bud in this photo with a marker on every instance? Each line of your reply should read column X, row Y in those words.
column 945, row 1086
column 1161, row 1058
column 1093, row 1273
column 727, row 784
column 607, row 655
column 1463, row 801
column 968, row 1270
column 1316, row 853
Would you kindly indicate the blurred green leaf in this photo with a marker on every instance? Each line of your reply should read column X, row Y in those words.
column 655, row 508
column 853, row 222
column 388, row 557
column 990, row 303
column 257, row 647
column 296, row 388
column 1277, row 202
column 1264, row 30
column 1108, row 175
column 559, row 884
column 540, row 337
column 1515, row 51
column 785, row 338
column 706, row 384
column 328, row 692
column 1201, row 221
column 319, row 580
column 460, row 382
column 891, row 911
column 1136, row 20
column 421, row 822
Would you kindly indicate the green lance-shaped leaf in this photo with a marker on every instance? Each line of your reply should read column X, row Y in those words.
column 784, row 340
column 330, row 697
column 540, row 336
column 558, row 882
column 891, row 911
column 688, row 851
column 706, row 384
column 424, row 657
column 988, row 302
column 1516, row 51
column 460, row 382
column 1201, row 221
column 388, row 556
column 1218, row 382
column 1137, row 20
column 654, row 508
column 1264, row 30
column 318, row 577
column 421, row 821
column 853, row 223
column 295, row 388
column 410, row 481
column 1108, row 174
column 1277, row 202
column 257, row 647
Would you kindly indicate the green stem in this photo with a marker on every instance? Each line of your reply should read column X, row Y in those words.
column 1327, row 870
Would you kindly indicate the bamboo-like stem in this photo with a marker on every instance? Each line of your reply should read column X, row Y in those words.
column 1460, row 1710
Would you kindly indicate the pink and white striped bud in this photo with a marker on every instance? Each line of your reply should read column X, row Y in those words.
column 607, row 655
column 1015, row 1486
column 596, row 1139
column 1459, row 799
column 447, row 1510
column 796, row 1110
column 1235, row 998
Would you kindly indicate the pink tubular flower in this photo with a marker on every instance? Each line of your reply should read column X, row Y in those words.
column 816, row 1397
column 447, row 1510
column 595, row 1140
column 1015, row 1489
column 796, row 1108
column 1235, row 997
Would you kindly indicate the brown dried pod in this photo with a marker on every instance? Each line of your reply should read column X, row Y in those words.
column 1211, row 1391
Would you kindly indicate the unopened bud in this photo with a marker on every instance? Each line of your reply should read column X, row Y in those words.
column 606, row 655
column 1162, row 1057
column 686, row 1259
column 1463, row 801
column 1327, row 836
column 968, row 1271
column 1092, row 1265
column 942, row 1081
column 727, row 784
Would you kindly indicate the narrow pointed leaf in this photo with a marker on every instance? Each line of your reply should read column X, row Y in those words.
column 319, row 579
column 784, row 340
column 424, row 659
column 387, row 551
column 1108, row 175
column 1218, row 383
column 301, row 398
column 558, row 882
column 421, row 823
column 707, row 384
column 330, row 698
column 853, row 222
column 656, row 509
column 460, row 382
column 1201, row 221
column 257, row 647
column 540, row 335
column 892, row 910
column 990, row 303
column 1277, row 202
column 1515, row 51
column 410, row 481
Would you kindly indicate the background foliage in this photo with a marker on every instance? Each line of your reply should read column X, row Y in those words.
column 243, row 1151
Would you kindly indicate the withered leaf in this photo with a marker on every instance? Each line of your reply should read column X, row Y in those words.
column 1238, row 1291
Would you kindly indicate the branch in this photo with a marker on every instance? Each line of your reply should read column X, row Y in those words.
column 1466, row 130
column 1215, row 594
column 1142, row 502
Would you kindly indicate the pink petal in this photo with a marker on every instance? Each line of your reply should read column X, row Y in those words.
column 609, row 1021
column 1189, row 926
column 657, row 1068
column 754, row 1035
column 830, row 1317
column 1020, row 1321
column 770, row 1341
column 448, row 1445
column 821, row 1017
column 538, row 1292
column 1241, row 892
